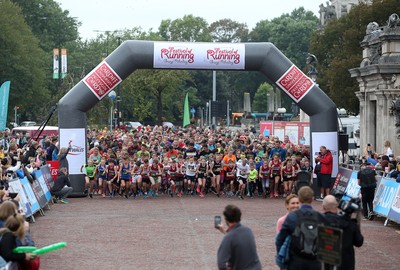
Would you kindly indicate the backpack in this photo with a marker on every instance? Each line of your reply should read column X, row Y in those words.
column 368, row 179
column 305, row 235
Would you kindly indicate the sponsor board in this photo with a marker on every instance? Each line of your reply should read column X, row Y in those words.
column 394, row 212
column 384, row 196
column 295, row 83
column 77, row 154
column 199, row 55
column 101, row 80
column 342, row 179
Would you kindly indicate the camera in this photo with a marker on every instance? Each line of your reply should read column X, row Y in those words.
column 349, row 205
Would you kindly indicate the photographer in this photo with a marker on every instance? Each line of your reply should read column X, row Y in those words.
column 238, row 247
column 351, row 231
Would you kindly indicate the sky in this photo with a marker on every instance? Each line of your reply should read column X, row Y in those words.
column 101, row 15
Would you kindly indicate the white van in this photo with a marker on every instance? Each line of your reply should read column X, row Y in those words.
column 34, row 131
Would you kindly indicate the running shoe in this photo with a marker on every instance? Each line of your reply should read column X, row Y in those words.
column 145, row 195
column 63, row 200
column 85, row 192
column 198, row 189
column 276, row 195
column 241, row 197
column 171, row 194
column 201, row 195
column 91, row 196
column 271, row 196
column 180, row 194
column 126, row 196
column 284, row 195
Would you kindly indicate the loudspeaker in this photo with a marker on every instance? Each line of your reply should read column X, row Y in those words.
column 343, row 142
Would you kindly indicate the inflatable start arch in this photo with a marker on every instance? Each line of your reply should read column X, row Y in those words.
column 133, row 54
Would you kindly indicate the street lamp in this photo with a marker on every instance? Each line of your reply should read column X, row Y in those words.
column 112, row 95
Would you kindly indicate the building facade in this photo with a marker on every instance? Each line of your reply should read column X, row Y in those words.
column 379, row 82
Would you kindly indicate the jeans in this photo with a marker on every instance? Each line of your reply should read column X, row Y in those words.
column 63, row 193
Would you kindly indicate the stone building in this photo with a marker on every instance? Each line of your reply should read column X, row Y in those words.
column 336, row 9
column 379, row 81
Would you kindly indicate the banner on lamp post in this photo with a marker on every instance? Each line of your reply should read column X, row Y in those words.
column 56, row 63
column 63, row 63
column 4, row 94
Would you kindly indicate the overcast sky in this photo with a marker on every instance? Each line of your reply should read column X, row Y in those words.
column 126, row 14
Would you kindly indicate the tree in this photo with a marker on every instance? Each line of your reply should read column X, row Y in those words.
column 22, row 63
column 261, row 98
column 188, row 28
column 337, row 48
column 227, row 30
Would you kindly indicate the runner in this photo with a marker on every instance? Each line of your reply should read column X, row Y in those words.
column 101, row 176
column 90, row 173
column 190, row 175
column 202, row 171
column 275, row 175
column 287, row 175
column 264, row 173
column 242, row 172
column 124, row 176
column 112, row 176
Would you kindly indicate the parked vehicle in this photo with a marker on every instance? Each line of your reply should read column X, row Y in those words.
column 133, row 125
column 34, row 131
column 27, row 124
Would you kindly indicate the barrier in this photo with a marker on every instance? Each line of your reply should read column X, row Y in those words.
column 387, row 195
column 36, row 195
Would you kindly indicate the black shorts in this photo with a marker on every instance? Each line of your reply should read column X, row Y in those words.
column 244, row 180
column 324, row 180
column 217, row 172
column 190, row 178
column 146, row 180
column 285, row 178
column 201, row 175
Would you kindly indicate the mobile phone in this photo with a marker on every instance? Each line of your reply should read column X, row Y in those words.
column 217, row 221
column 12, row 195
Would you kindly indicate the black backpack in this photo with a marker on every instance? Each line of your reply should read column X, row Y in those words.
column 367, row 177
column 305, row 235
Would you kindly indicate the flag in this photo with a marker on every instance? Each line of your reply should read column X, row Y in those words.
column 186, row 115
column 4, row 93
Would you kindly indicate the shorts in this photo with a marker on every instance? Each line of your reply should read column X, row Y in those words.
column 244, row 180
column 201, row 175
column 90, row 178
column 102, row 177
column 146, row 179
column 324, row 180
column 285, row 178
column 135, row 178
column 217, row 172
column 110, row 177
column 190, row 178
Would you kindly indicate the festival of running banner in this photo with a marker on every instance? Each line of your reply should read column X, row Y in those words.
column 394, row 212
column 43, row 184
column 16, row 187
column 385, row 195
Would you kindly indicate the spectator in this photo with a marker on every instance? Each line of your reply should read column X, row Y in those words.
column 292, row 203
column 297, row 262
column 238, row 247
column 14, row 228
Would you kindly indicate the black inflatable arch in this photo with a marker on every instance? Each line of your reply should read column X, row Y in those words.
column 133, row 54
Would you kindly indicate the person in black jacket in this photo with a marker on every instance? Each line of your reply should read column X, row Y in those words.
column 351, row 233
column 62, row 186
column 367, row 182
column 14, row 228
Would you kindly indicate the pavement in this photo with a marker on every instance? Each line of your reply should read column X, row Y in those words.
column 175, row 233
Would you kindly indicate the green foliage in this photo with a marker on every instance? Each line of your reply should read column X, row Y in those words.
column 227, row 30
column 189, row 28
column 22, row 63
column 337, row 48
column 260, row 103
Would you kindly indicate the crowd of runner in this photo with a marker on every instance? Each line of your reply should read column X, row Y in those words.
column 192, row 161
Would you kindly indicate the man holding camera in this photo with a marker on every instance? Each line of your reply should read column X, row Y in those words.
column 238, row 247
column 351, row 231
column 367, row 182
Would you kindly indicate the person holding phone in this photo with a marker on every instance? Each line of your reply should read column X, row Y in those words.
column 238, row 247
